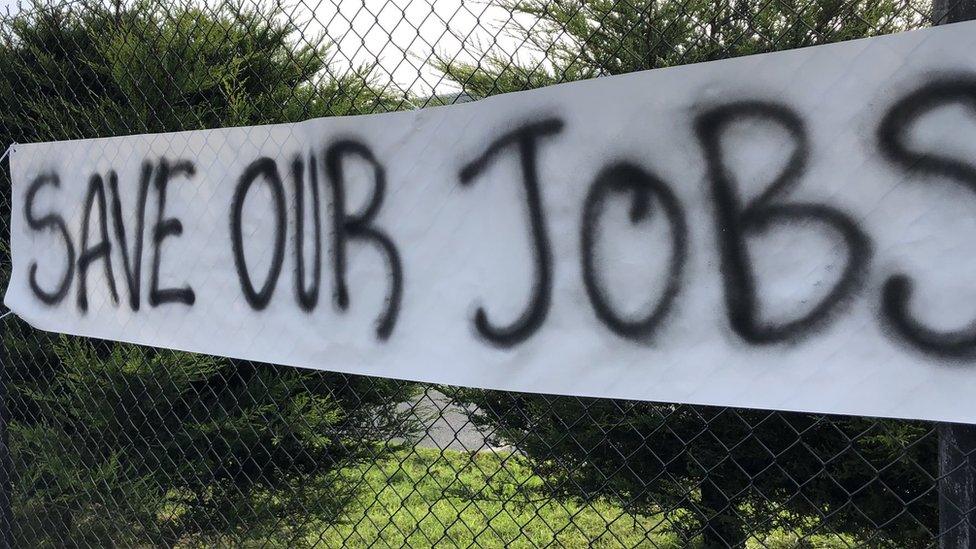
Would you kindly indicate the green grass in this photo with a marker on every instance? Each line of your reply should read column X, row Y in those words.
column 429, row 498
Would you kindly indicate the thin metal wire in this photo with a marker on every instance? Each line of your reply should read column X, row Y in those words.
column 116, row 444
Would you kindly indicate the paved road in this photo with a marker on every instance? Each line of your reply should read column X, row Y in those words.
column 447, row 425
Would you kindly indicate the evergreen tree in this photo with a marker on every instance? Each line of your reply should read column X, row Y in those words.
column 117, row 444
column 716, row 473
column 579, row 39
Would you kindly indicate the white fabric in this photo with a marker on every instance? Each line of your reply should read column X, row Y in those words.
column 464, row 246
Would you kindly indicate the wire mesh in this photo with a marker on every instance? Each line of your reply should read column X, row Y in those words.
column 113, row 444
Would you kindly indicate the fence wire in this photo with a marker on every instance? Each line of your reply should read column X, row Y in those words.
column 119, row 445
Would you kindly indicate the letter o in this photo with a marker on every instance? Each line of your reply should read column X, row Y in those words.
column 625, row 177
column 266, row 167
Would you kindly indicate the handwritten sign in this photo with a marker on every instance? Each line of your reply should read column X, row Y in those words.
column 787, row 231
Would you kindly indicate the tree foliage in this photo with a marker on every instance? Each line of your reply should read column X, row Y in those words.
column 84, row 70
column 718, row 473
column 722, row 473
column 116, row 444
column 135, row 445
column 579, row 39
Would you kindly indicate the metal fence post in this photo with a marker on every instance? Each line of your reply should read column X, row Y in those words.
column 6, row 466
column 957, row 443
column 957, row 486
column 953, row 11
column 6, row 489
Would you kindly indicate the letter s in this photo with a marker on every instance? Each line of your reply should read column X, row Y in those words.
column 55, row 222
column 892, row 139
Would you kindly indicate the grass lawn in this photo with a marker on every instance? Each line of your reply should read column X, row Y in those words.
column 428, row 498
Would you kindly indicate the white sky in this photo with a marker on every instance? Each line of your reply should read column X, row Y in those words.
column 398, row 36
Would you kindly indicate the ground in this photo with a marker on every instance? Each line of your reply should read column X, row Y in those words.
column 423, row 497
column 446, row 425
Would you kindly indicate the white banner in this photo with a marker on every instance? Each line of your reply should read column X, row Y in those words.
column 787, row 231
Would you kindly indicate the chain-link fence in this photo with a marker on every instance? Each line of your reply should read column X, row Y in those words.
column 111, row 444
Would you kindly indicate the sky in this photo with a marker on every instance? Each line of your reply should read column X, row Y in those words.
column 398, row 36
